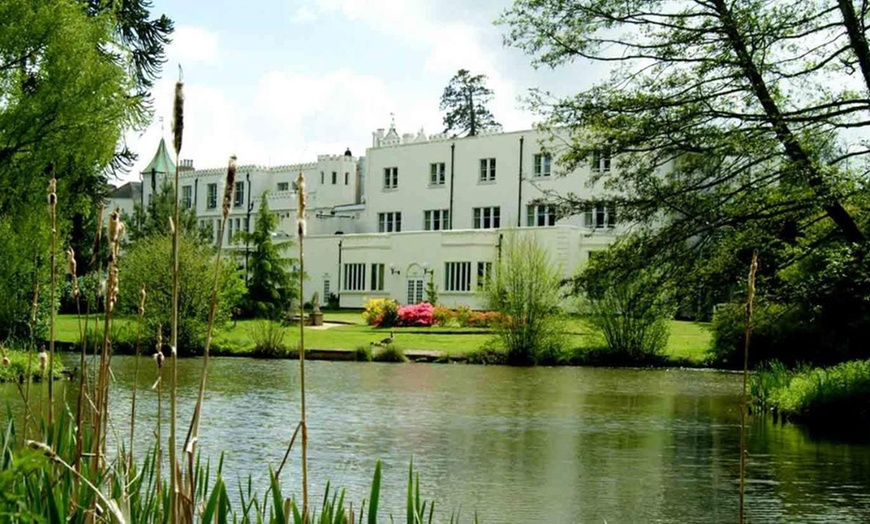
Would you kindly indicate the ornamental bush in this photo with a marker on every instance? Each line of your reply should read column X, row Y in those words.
column 443, row 316
column 417, row 315
column 483, row 319
column 381, row 312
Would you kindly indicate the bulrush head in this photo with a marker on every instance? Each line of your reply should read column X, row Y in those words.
column 158, row 356
column 71, row 260
column 52, row 192
column 6, row 362
column 178, row 114
column 300, row 205
column 230, row 186
column 114, row 219
column 43, row 360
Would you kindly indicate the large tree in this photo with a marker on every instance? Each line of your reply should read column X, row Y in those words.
column 736, row 126
column 154, row 218
column 273, row 284
column 465, row 100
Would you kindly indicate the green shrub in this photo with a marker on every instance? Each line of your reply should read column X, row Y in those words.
column 381, row 312
column 363, row 353
column 525, row 291
column 778, row 332
column 149, row 262
column 488, row 354
column 268, row 338
column 389, row 353
column 631, row 314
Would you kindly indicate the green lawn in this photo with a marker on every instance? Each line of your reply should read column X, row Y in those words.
column 688, row 342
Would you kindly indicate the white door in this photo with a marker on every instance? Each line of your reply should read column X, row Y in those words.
column 415, row 290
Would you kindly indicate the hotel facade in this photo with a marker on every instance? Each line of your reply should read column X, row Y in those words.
column 415, row 208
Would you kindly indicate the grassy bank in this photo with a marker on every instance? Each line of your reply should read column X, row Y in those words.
column 838, row 394
column 688, row 343
column 17, row 368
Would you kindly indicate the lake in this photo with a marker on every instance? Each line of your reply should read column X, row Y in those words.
column 513, row 444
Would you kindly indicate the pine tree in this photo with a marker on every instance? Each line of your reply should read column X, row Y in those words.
column 465, row 99
column 272, row 286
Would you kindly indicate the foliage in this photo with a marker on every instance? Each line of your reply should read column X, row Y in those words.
column 465, row 99
column 631, row 314
column 148, row 262
column 23, row 246
column 381, row 312
column 431, row 290
column 726, row 121
column 268, row 338
column 821, row 395
column 363, row 353
column 154, row 220
column 777, row 333
column 462, row 315
column 332, row 302
column 442, row 316
column 272, row 286
column 16, row 370
column 416, row 315
column 389, row 353
column 89, row 288
column 525, row 290
column 484, row 319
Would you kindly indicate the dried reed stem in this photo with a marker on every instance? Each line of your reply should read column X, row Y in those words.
column 52, row 210
column 193, row 431
column 177, row 132
column 141, row 312
column 158, row 358
column 300, row 225
column 750, row 297
column 33, row 310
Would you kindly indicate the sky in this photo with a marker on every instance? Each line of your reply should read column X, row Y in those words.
column 282, row 81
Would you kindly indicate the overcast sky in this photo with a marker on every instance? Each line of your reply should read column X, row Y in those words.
column 281, row 81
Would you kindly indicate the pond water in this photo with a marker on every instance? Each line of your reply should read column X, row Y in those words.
column 512, row 444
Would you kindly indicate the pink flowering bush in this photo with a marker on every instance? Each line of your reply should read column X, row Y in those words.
column 417, row 315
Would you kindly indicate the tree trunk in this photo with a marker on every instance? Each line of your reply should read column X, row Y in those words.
column 793, row 148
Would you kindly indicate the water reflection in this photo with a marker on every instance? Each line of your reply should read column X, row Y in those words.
column 516, row 445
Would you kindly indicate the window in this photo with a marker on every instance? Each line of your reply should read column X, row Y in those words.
column 346, row 178
column 415, row 290
column 230, row 232
column 354, row 277
column 436, row 219
column 600, row 216
column 436, row 174
column 326, row 291
column 391, row 177
column 377, row 277
column 542, row 164
column 541, row 215
column 601, row 160
column 487, row 217
column 484, row 273
column 487, row 170
column 239, row 196
column 389, row 222
column 457, row 276
column 322, row 178
column 334, row 178
column 211, row 201
column 283, row 186
column 186, row 197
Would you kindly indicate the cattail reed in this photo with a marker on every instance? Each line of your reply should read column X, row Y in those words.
column 141, row 312
column 300, row 229
column 750, row 297
column 52, row 211
column 177, row 133
column 158, row 359
column 193, row 431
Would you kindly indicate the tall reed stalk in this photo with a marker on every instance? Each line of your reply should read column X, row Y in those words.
column 141, row 314
column 300, row 226
column 750, row 297
column 52, row 210
column 34, row 308
column 177, row 134
column 193, row 432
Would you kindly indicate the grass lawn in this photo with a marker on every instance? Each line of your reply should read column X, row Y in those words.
column 689, row 341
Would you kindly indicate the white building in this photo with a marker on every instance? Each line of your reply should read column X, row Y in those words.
column 414, row 208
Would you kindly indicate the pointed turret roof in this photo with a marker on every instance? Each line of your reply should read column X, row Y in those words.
column 162, row 161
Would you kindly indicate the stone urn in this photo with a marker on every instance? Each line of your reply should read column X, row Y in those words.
column 315, row 318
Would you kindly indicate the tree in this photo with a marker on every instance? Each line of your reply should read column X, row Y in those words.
column 465, row 99
column 727, row 121
column 273, row 285
column 149, row 261
column 525, row 290
column 154, row 220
